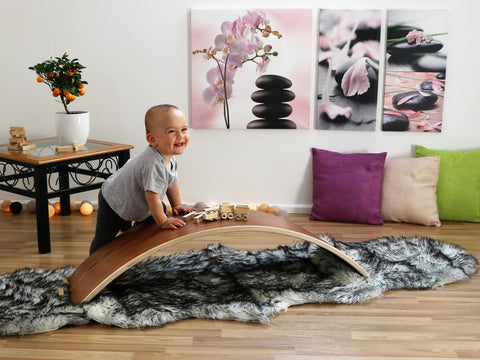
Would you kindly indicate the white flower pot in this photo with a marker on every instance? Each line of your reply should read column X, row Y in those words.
column 72, row 128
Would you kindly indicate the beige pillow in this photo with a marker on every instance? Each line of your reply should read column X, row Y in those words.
column 409, row 190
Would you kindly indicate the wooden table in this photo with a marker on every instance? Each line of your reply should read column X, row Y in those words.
column 43, row 174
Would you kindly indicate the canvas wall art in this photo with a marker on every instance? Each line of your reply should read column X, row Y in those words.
column 251, row 68
column 348, row 69
column 416, row 58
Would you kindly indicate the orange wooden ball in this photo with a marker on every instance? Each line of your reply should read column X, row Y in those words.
column 264, row 208
column 73, row 205
column 86, row 208
column 274, row 210
column 57, row 208
column 252, row 206
column 51, row 211
column 6, row 206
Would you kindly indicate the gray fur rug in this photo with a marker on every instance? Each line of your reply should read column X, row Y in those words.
column 222, row 283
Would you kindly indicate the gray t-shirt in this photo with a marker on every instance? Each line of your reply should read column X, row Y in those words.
column 125, row 190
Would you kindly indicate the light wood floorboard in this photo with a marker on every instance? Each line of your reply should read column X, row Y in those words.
column 426, row 325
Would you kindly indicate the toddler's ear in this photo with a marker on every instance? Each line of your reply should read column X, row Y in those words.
column 150, row 139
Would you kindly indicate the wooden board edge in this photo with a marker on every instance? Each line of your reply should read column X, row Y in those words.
column 76, row 299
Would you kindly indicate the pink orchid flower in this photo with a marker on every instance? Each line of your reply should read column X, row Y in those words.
column 333, row 111
column 215, row 94
column 356, row 81
column 368, row 48
column 430, row 127
column 262, row 67
column 416, row 36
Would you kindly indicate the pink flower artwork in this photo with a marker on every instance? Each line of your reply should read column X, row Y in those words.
column 349, row 52
column 232, row 48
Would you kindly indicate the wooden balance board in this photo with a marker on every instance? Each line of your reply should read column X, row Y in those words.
column 142, row 241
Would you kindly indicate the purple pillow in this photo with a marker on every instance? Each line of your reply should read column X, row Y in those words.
column 347, row 187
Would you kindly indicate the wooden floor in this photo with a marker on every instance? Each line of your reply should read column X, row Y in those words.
column 440, row 324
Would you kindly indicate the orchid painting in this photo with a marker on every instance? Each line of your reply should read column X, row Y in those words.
column 349, row 50
column 231, row 49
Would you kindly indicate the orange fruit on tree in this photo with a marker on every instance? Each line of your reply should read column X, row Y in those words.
column 51, row 75
column 81, row 86
column 70, row 73
column 39, row 79
column 81, row 92
column 56, row 92
column 70, row 96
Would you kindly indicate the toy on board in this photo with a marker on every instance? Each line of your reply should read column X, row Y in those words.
column 223, row 211
column 226, row 211
column 18, row 140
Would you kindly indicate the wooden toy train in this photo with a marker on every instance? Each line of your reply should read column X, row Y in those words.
column 222, row 211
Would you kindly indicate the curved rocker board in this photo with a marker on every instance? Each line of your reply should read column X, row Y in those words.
column 114, row 258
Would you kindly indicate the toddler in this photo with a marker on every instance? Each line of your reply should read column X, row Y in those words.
column 135, row 191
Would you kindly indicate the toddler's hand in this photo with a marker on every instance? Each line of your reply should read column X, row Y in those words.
column 172, row 223
column 181, row 209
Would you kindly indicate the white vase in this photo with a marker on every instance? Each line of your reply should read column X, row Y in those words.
column 72, row 128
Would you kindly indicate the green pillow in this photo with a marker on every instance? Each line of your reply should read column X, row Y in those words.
column 458, row 188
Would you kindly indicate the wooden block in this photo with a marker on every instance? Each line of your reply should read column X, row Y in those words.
column 189, row 215
column 28, row 147
column 21, row 140
column 63, row 148
column 198, row 218
column 61, row 292
column 17, row 131
column 14, row 147
column 78, row 147
column 65, row 281
column 68, row 148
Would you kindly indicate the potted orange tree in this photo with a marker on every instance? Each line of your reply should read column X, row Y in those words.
column 64, row 78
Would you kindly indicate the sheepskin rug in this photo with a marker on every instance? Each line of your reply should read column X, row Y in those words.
column 222, row 283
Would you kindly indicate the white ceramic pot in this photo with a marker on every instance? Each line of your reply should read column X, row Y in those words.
column 72, row 128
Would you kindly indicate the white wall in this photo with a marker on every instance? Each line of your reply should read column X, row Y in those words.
column 137, row 55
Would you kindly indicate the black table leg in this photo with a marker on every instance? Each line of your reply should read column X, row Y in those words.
column 41, row 199
column 123, row 157
column 65, row 198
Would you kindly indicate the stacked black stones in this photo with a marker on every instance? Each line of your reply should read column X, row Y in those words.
column 272, row 106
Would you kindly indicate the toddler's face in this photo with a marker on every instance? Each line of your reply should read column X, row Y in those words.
column 169, row 135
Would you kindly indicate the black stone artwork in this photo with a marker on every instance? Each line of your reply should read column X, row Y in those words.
column 394, row 121
column 415, row 100
column 428, row 84
column 272, row 107
column 430, row 63
column 403, row 48
column 399, row 31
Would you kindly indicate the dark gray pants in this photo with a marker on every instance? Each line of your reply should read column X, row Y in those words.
column 109, row 223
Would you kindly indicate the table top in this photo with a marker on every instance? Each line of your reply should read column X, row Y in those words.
column 45, row 151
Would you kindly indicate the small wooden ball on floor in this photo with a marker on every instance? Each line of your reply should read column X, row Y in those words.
column 16, row 207
column 51, row 210
column 86, row 208
column 6, row 206
column 263, row 208
column 32, row 206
